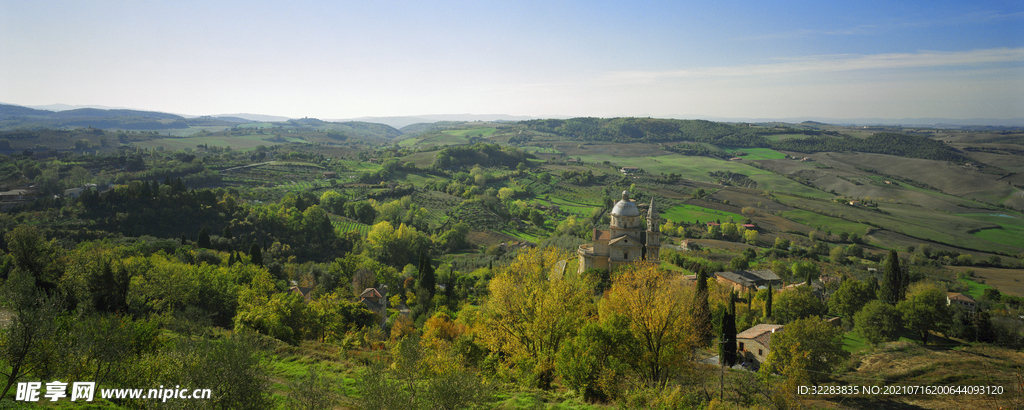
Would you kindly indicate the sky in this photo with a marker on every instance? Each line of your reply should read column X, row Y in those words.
column 680, row 59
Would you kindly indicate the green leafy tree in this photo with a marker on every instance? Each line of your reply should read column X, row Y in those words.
column 851, row 296
column 527, row 316
column 24, row 346
column 878, row 322
column 809, row 344
column 925, row 310
column 798, row 303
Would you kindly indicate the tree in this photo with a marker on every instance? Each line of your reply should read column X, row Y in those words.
column 768, row 303
column 893, row 288
column 203, row 241
column 924, row 310
column 702, row 311
column 528, row 316
column 312, row 391
column 805, row 270
column 24, row 345
column 810, row 346
column 227, row 233
column 727, row 345
column 255, row 255
column 851, row 296
column 838, row 255
column 750, row 237
column 654, row 306
column 878, row 322
column 796, row 304
column 427, row 280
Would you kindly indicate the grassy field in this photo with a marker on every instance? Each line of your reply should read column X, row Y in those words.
column 778, row 137
column 481, row 132
column 1007, row 281
column 835, row 225
column 697, row 168
column 974, row 289
column 756, row 153
column 1010, row 231
column 237, row 142
column 691, row 214
column 540, row 150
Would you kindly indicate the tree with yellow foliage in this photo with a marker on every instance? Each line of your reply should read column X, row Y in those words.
column 656, row 306
column 527, row 316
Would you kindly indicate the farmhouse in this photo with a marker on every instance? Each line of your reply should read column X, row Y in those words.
column 629, row 170
column 749, row 279
column 305, row 292
column 753, row 344
column 625, row 241
column 376, row 301
column 962, row 300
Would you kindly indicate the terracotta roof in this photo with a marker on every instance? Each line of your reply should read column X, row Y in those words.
column 602, row 235
column 371, row 293
column 959, row 297
column 758, row 331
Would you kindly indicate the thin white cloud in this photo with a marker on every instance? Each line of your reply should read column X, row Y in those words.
column 832, row 64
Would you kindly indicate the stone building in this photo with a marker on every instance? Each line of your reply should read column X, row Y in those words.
column 625, row 241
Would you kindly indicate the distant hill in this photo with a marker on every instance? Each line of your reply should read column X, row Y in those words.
column 432, row 126
column 403, row 121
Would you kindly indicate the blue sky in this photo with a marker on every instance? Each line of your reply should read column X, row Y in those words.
column 340, row 59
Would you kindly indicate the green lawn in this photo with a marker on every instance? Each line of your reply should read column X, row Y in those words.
column 975, row 289
column 691, row 214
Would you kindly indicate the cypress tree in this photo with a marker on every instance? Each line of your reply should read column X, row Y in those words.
column 768, row 303
column 204, row 239
column 892, row 288
column 256, row 256
column 728, row 348
column 184, row 240
column 427, row 278
column 227, row 233
column 701, row 310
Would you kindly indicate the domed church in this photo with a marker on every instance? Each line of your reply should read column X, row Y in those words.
column 625, row 241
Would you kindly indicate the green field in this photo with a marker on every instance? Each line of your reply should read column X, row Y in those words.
column 237, row 142
column 347, row 226
column 778, row 137
column 829, row 223
column 481, row 132
column 691, row 214
column 1010, row 231
column 697, row 168
column 409, row 142
column 540, row 150
column 756, row 153
column 974, row 289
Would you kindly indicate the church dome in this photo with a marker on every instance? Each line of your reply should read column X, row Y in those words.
column 625, row 207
